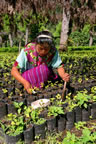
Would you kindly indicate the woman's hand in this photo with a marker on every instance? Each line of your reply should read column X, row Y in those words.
column 15, row 72
column 27, row 87
column 66, row 77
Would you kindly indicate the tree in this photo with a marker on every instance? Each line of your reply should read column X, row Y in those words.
column 77, row 12
column 65, row 25
column 7, row 25
column 84, row 12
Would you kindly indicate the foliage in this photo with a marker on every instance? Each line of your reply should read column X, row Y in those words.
column 80, row 37
column 9, row 49
column 16, row 127
column 18, row 106
column 80, row 124
column 3, row 126
column 81, row 48
column 5, row 90
column 82, row 98
column 69, row 139
column 55, row 110
column 52, row 138
column 40, row 121
column 56, row 31
column 18, row 23
column 14, row 124
column 93, row 90
column 6, row 23
column 57, row 100
column 35, row 117
column 86, row 138
column 71, row 103
column 36, row 16
column 27, row 111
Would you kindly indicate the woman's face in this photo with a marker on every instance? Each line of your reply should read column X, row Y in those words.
column 42, row 49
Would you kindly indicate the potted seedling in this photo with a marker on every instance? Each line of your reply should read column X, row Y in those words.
column 18, row 106
column 13, row 128
column 52, row 113
column 82, row 99
column 3, row 109
column 93, row 102
column 10, row 106
column 39, row 124
column 3, row 129
column 42, row 110
column 69, row 109
column 5, row 92
column 28, row 131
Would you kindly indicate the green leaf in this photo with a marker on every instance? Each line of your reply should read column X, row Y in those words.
column 16, row 105
column 19, row 111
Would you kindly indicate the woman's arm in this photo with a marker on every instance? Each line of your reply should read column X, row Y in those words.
column 16, row 74
column 62, row 74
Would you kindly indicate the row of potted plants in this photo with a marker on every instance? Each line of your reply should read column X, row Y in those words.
column 28, row 123
column 56, row 117
column 7, row 100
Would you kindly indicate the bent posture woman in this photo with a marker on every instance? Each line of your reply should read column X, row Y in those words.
column 35, row 62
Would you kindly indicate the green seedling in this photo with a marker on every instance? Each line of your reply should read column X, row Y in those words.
column 18, row 106
column 54, row 111
column 80, row 125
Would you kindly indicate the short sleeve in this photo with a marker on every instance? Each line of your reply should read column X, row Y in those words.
column 56, row 61
column 22, row 60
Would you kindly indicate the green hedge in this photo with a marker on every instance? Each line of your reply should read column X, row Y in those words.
column 70, row 48
column 9, row 49
column 75, row 48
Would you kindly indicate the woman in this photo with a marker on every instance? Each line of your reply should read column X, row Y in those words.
column 35, row 62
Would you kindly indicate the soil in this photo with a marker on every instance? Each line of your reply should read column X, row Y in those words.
column 78, row 133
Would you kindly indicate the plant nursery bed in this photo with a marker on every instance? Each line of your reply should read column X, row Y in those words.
column 78, row 107
column 77, row 132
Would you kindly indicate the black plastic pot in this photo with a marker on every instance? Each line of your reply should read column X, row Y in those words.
column 69, row 120
column 78, row 114
column 47, row 96
column 11, row 90
column 51, row 123
column 49, row 89
column 61, row 123
column 60, row 91
column 1, row 94
column 69, row 125
column 93, row 111
column 30, row 99
column 1, row 72
column 43, row 113
column 3, row 109
column 87, row 87
column 10, row 107
column 18, row 86
column 54, row 93
column 39, row 130
column 86, row 112
column 64, row 105
column 39, row 96
column 28, row 135
column 2, row 136
column 70, row 116
column 5, row 94
column 13, row 139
